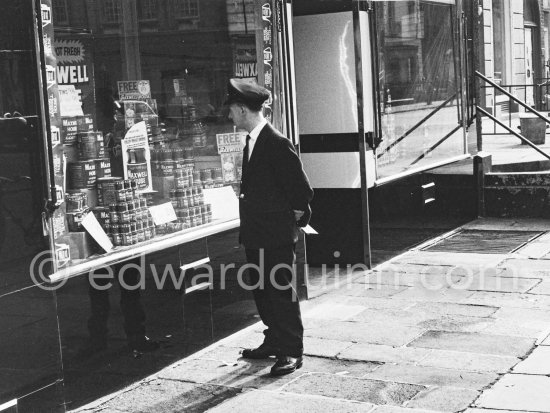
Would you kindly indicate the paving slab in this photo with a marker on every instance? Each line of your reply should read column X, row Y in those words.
column 471, row 310
column 477, row 410
column 432, row 376
column 541, row 288
column 518, row 392
column 510, row 327
column 508, row 224
column 456, row 323
column 538, row 362
column 537, row 248
column 444, row 295
column 525, row 267
column 259, row 401
column 333, row 311
column 355, row 332
column 474, row 343
column 322, row 347
column 464, row 260
column 394, row 409
column 497, row 299
column 396, row 280
column 384, row 354
column 508, row 313
column 169, row 396
column 444, row 399
column 350, row 388
column 498, row 284
column 460, row 360
column 358, row 289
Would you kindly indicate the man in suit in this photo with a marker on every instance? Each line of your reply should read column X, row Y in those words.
column 274, row 203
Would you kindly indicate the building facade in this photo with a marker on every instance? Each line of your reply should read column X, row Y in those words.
column 115, row 149
column 516, row 51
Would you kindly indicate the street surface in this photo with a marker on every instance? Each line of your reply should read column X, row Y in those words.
column 429, row 331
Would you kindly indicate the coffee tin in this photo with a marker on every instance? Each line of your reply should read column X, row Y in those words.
column 103, row 167
column 82, row 174
column 87, row 145
column 106, row 189
column 76, row 202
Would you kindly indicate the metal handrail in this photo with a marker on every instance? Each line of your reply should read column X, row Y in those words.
column 417, row 125
column 512, row 97
column 435, row 145
column 513, row 132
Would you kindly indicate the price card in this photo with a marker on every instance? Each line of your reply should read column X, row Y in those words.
column 163, row 213
column 91, row 225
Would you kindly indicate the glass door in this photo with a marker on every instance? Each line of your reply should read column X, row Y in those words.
column 419, row 84
column 30, row 365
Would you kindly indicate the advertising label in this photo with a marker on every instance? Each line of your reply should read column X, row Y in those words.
column 136, row 157
column 75, row 75
column 134, row 89
column 230, row 142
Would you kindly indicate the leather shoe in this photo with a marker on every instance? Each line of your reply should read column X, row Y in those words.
column 265, row 351
column 286, row 365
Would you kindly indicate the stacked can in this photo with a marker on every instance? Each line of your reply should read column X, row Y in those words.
column 190, row 207
column 183, row 178
column 77, row 206
column 130, row 222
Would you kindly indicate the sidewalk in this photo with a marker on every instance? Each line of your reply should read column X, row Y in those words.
column 429, row 331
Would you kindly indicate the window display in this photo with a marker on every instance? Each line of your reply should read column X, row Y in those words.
column 142, row 142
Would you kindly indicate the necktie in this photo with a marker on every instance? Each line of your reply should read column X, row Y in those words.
column 247, row 148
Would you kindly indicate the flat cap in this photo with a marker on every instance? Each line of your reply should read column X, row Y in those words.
column 249, row 93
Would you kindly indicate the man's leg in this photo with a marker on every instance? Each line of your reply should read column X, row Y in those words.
column 281, row 292
column 263, row 302
column 100, row 308
column 132, row 310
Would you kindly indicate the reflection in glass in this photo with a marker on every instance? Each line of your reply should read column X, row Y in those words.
column 417, row 61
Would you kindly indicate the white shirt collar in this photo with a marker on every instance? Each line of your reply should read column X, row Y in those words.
column 254, row 133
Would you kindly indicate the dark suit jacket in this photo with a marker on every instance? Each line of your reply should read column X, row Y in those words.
column 273, row 185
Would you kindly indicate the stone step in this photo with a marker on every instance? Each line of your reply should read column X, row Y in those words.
column 517, row 194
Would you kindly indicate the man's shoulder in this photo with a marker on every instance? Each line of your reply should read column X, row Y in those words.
column 274, row 136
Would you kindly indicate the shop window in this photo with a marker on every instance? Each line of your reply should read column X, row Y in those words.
column 187, row 9
column 60, row 12
column 418, row 60
column 144, row 143
column 111, row 10
column 148, row 9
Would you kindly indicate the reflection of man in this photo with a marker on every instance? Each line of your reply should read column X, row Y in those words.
column 130, row 304
column 274, row 202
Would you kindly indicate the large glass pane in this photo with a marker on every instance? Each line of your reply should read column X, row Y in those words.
column 30, row 360
column 418, row 60
column 142, row 121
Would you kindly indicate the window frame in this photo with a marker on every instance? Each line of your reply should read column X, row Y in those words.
column 116, row 5
column 56, row 6
column 180, row 6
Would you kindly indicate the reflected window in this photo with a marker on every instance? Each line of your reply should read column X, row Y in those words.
column 111, row 10
column 148, row 9
column 60, row 12
column 417, row 58
column 186, row 9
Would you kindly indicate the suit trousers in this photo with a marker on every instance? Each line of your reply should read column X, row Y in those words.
column 276, row 297
column 130, row 304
